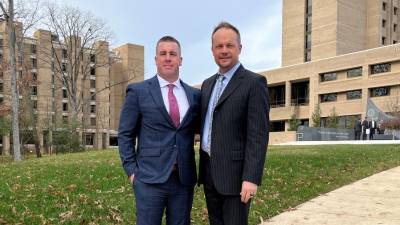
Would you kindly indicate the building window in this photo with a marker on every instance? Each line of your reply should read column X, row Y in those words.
column 54, row 37
column 34, row 76
column 277, row 96
column 34, row 90
column 89, row 139
column 65, row 119
column 277, row 126
column 307, row 56
column 379, row 91
column 92, row 58
column 1, row 43
column 384, row 4
column 92, row 71
column 33, row 48
column 394, row 10
column 92, row 83
column 356, row 72
column 65, row 107
column 394, row 27
column 328, row 76
column 92, row 96
column 383, row 23
column 356, row 94
column 380, row 68
column 34, row 105
column 93, row 121
column 20, row 59
column 64, row 93
column 1, row 100
column 34, row 63
column 92, row 108
column 383, row 40
column 394, row 42
column 1, row 87
column 64, row 67
column 64, row 53
column 331, row 97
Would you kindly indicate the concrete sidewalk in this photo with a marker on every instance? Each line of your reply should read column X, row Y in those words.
column 372, row 200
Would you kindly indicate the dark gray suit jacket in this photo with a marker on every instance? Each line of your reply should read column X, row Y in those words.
column 240, row 133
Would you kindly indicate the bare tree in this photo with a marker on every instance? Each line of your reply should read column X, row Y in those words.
column 80, row 39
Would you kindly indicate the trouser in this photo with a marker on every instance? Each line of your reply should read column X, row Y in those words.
column 223, row 209
column 173, row 197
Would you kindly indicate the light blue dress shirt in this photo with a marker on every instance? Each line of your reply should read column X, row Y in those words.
column 228, row 76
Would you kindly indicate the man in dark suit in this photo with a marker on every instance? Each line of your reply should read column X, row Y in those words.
column 372, row 128
column 161, row 113
column 365, row 126
column 357, row 129
column 234, row 132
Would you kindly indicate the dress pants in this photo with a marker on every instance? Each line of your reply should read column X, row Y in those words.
column 173, row 197
column 223, row 209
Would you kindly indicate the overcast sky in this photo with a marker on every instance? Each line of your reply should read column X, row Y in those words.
column 191, row 22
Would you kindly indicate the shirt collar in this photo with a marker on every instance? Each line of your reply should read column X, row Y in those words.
column 229, row 74
column 164, row 83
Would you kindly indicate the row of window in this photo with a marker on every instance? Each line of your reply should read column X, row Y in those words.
column 354, row 72
column 356, row 94
column 65, row 107
column 357, row 72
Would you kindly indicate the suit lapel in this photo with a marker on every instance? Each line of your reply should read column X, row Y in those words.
column 155, row 92
column 207, row 90
column 232, row 85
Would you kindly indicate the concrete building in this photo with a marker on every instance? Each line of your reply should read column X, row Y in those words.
column 336, row 54
column 102, row 77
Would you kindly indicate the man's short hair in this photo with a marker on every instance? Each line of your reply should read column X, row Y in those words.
column 226, row 25
column 168, row 38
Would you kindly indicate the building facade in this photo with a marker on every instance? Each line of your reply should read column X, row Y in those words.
column 102, row 75
column 335, row 55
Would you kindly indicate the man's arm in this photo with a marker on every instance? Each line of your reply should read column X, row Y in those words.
column 127, row 132
column 257, row 137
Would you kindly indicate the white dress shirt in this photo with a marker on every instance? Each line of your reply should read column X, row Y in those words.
column 179, row 93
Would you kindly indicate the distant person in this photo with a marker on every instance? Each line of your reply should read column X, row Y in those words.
column 372, row 128
column 234, row 131
column 364, row 128
column 357, row 129
column 161, row 113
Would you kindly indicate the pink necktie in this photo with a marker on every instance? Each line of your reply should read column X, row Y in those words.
column 173, row 106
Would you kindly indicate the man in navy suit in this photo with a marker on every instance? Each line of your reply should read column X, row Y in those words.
column 156, row 137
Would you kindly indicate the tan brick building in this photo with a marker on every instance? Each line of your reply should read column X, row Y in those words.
column 336, row 54
column 103, row 90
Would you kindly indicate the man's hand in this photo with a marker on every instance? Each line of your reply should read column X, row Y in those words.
column 249, row 190
column 132, row 178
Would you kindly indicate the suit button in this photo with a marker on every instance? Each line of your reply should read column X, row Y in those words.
column 174, row 146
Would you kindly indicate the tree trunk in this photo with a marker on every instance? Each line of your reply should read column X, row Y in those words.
column 14, row 90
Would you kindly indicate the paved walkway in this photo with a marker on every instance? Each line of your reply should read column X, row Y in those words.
column 371, row 201
column 365, row 142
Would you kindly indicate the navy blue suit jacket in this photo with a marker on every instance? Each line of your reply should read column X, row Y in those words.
column 149, row 143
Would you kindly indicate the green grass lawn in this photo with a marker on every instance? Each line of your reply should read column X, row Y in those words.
column 91, row 188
